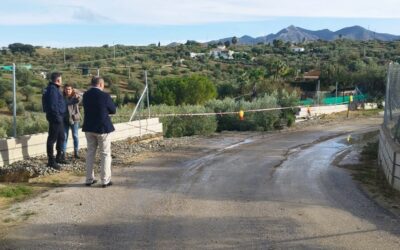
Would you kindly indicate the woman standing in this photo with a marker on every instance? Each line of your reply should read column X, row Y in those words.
column 72, row 117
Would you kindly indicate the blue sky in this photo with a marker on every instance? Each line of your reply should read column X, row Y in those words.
column 70, row 23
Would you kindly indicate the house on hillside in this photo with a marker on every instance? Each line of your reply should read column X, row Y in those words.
column 307, row 83
column 221, row 52
column 196, row 55
column 297, row 49
column 311, row 75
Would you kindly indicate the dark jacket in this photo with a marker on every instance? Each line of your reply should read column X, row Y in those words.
column 97, row 106
column 53, row 103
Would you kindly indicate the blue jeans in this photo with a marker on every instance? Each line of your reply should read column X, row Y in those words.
column 74, row 127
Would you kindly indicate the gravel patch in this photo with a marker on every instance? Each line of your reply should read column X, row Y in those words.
column 122, row 152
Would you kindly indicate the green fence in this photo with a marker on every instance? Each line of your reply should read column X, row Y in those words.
column 334, row 100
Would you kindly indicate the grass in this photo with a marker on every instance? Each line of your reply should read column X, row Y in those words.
column 369, row 173
column 18, row 191
column 352, row 114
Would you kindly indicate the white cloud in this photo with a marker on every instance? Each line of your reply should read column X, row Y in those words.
column 181, row 12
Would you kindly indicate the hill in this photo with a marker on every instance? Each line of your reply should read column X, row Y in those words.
column 295, row 34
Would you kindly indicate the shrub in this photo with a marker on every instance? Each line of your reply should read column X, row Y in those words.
column 2, row 103
column 135, row 85
column 177, row 126
column 20, row 108
column 110, row 80
column 253, row 121
column 27, row 124
column 34, row 106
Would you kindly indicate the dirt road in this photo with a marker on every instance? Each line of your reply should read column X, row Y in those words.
column 249, row 191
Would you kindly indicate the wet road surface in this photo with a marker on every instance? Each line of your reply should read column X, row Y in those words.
column 250, row 191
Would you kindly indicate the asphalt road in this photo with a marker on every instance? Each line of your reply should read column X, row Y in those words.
column 246, row 191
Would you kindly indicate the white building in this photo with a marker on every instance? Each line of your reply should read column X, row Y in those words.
column 196, row 55
column 297, row 49
column 222, row 52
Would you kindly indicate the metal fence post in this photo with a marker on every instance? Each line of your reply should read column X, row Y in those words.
column 147, row 90
column 393, row 168
column 14, row 103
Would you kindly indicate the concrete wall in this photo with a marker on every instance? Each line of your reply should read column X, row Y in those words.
column 320, row 110
column 389, row 158
column 23, row 147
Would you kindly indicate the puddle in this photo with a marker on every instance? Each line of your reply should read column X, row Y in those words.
column 246, row 141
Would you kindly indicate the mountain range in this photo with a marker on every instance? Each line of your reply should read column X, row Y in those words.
column 295, row 34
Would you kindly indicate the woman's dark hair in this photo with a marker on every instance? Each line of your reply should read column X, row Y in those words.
column 65, row 92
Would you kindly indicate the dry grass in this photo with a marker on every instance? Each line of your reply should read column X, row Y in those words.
column 368, row 173
column 11, row 193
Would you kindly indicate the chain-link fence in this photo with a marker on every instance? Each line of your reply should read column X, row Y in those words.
column 392, row 102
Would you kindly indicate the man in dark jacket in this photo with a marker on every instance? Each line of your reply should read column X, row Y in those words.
column 54, row 106
column 97, row 126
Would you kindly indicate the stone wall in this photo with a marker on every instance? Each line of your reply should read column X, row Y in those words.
column 389, row 158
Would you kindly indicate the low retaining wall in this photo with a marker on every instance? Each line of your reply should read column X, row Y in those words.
column 306, row 112
column 27, row 146
column 389, row 158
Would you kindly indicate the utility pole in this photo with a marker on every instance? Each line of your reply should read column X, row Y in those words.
column 318, row 92
column 147, row 92
column 114, row 50
column 336, row 92
column 98, row 72
column 64, row 57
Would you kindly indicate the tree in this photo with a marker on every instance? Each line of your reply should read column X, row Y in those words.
column 226, row 90
column 110, row 80
column 24, row 76
column 21, row 48
column 135, row 85
column 115, row 90
column 199, row 89
column 170, row 91
column 192, row 43
column 227, row 43
column 234, row 40
column 28, row 92
column 195, row 89
column 277, row 43
column 5, row 86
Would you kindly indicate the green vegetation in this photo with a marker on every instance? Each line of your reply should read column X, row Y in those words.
column 177, row 126
column 176, row 78
column 194, row 89
column 18, row 191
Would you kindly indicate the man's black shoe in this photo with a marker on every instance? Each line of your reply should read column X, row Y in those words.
column 60, row 158
column 106, row 185
column 53, row 164
column 89, row 184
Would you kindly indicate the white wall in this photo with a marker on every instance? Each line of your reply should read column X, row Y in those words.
column 27, row 146
column 320, row 110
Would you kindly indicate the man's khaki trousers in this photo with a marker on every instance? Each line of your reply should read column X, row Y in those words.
column 103, row 141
